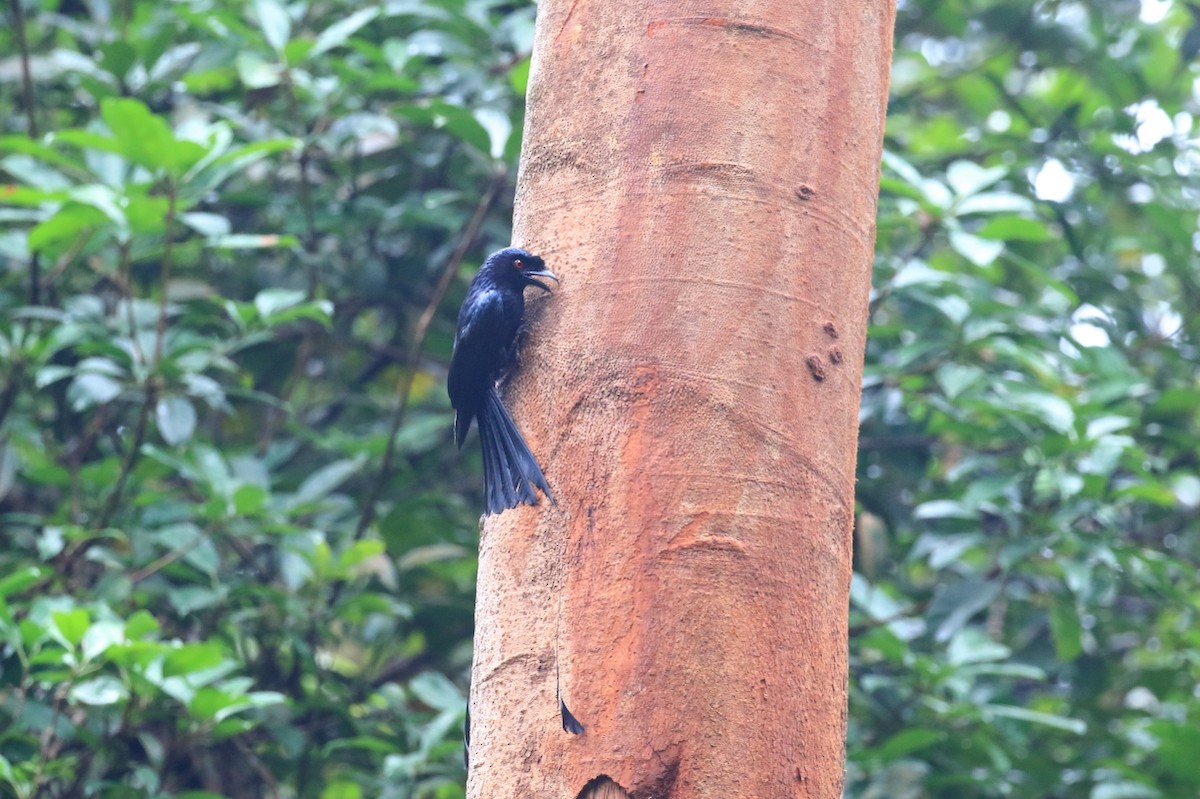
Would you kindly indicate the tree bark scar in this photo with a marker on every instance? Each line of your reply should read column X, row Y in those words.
column 566, row 22
column 830, row 329
column 603, row 788
column 662, row 786
column 815, row 367
column 733, row 26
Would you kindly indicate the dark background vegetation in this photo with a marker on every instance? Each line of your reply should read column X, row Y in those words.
column 237, row 546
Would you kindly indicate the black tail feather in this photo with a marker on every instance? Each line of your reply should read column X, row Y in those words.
column 520, row 476
column 569, row 722
column 498, row 480
column 510, row 472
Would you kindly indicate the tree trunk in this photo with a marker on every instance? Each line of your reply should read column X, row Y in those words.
column 703, row 177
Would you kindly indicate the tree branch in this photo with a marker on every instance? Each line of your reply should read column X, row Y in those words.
column 18, row 14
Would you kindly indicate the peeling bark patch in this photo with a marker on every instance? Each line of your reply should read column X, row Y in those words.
column 830, row 329
column 603, row 787
column 806, row 193
column 815, row 367
column 835, row 355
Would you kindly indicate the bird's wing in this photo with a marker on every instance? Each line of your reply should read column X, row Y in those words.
column 477, row 345
column 482, row 320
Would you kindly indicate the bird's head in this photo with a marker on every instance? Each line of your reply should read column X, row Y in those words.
column 516, row 267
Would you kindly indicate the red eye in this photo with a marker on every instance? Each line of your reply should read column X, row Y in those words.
column 517, row 264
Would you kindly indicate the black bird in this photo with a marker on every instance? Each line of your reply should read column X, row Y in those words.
column 484, row 349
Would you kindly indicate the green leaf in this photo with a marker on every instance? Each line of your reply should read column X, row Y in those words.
column 967, row 178
column 33, row 172
column 518, row 76
column 100, row 636
column 175, row 417
column 1124, row 789
column 117, row 56
column 1178, row 746
column 89, row 139
column 1014, row 228
column 320, row 311
column 957, row 604
column 903, row 169
column 322, row 482
column 456, row 120
column 89, row 390
column 499, row 129
column 256, row 72
column 1035, row 717
column 274, row 22
column 19, row 580
column 956, row 378
column 339, row 32
column 140, row 624
column 978, row 251
column 250, row 499
column 359, row 551
column 1051, row 409
column 1100, row 426
column 1066, row 630
column 192, row 658
column 970, row 645
column 436, row 691
column 909, row 741
column 103, row 690
column 268, row 302
column 994, row 203
column 71, row 624
column 206, row 224
column 147, row 216
column 147, row 139
column 103, row 199
column 342, row 790
column 42, row 152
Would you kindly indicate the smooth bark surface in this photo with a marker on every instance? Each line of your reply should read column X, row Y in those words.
column 703, row 178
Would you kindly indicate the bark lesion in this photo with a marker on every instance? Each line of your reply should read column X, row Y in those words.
column 658, row 785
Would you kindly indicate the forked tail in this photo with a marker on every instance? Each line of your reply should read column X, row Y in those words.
column 510, row 472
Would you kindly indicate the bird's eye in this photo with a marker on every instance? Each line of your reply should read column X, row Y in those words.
column 517, row 264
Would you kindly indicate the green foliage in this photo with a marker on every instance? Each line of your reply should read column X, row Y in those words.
column 1026, row 603
column 237, row 550
column 237, row 553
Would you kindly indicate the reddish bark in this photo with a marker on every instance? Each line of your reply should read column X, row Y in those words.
column 703, row 177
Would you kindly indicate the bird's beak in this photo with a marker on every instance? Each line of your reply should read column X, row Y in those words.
column 529, row 278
